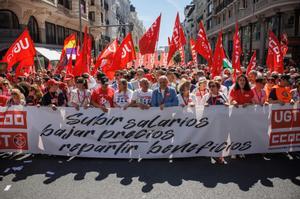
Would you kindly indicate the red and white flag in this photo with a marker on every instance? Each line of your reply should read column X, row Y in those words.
column 107, row 54
column 177, row 40
column 202, row 45
column 237, row 51
column 194, row 52
column 124, row 54
column 148, row 41
column 21, row 49
column 219, row 55
column 274, row 46
column 252, row 63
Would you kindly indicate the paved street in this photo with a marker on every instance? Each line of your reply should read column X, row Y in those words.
column 39, row 176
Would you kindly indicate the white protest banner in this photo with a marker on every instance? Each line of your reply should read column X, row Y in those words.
column 134, row 133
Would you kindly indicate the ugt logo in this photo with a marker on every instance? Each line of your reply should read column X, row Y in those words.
column 18, row 47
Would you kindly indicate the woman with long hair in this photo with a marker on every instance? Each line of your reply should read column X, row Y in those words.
column 123, row 95
column 241, row 94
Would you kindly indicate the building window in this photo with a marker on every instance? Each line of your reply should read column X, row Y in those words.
column 92, row 2
column 256, row 30
column 244, row 3
column 9, row 20
column 50, row 33
column 60, row 35
column 92, row 16
column 224, row 16
column 33, row 29
column 210, row 8
column 65, row 3
column 229, row 13
column 102, row 19
column 83, row 6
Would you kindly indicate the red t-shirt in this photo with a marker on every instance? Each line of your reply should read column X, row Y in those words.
column 242, row 98
column 3, row 100
column 103, row 98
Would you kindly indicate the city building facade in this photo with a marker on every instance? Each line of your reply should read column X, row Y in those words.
column 51, row 21
column 255, row 18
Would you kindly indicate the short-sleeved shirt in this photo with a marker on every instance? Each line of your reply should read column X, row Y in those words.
column 241, row 98
column 142, row 97
column 122, row 99
column 79, row 97
column 185, row 102
column 103, row 98
column 259, row 96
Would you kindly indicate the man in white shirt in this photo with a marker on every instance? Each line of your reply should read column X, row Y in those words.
column 142, row 97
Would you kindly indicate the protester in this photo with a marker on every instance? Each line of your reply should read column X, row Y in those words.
column 17, row 98
column 123, row 95
column 241, row 94
column 215, row 96
column 296, row 92
column 142, row 97
column 54, row 97
column 222, row 88
column 201, row 90
column 136, row 81
column 185, row 98
column 164, row 95
column 259, row 92
column 80, row 97
column 281, row 93
column 35, row 95
column 103, row 96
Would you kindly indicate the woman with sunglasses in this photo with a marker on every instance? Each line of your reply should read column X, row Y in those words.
column 17, row 98
column 214, row 97
column 123, row 95
column 80, row 96
column 34, row 96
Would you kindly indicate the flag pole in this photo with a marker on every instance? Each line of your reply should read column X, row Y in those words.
column 40, row 66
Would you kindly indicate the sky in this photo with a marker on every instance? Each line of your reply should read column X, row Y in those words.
column 149, row 10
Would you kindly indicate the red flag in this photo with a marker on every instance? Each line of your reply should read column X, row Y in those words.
column 24, row 68
column 237, row 50
column 252, row 63
column 177, row 40
column 107, row 53
column 181, row 51
column 284, row 43
column 274, row 45
column 81, row 65
column 148, row 41
column 124, row 54
column 21, row 49
column 270, row 60
column 202, row 45
column 193, row 50
column 219, row 55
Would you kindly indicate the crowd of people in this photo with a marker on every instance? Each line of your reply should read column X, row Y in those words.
column 159, row 87
column 143, row 88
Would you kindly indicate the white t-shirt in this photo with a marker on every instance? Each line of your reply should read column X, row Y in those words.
column 142, row 97
column 79, row 97
column 182, row 102
column 122, row 99
column 199, row 95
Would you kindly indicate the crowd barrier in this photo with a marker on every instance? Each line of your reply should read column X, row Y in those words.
column 174, row 132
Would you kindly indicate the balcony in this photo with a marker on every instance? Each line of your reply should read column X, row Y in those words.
column 252, row 10
column 222, row 5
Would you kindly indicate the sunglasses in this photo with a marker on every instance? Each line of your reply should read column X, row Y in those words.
column 212, row 86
